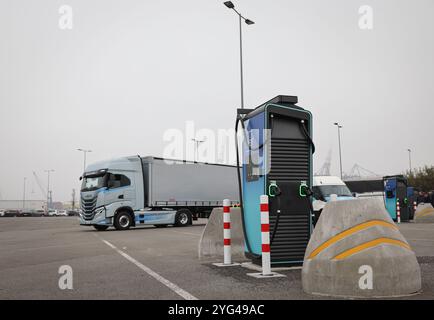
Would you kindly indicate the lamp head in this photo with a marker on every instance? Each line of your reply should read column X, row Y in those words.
column 229, row 4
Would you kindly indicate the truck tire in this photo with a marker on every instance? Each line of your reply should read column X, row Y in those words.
column 123, row 221
column 100, row 228
column 183, row 218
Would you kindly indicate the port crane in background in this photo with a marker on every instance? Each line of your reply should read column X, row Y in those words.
column 325, row 169
column 357, row 171
column 43, row 190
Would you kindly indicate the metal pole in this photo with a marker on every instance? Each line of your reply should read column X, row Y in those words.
column 231, row 6
column 48, row 190
column 409, row 159
column 340, row 150
column 84, row 164
column 241, row 64
column 73, row 199
column 196, row 147
column 24, row 193
column 84, row 157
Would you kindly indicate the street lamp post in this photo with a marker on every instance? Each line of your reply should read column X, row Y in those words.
column 409, row 159
column 196, row 148
column 24, row 193
column 84, row 156
column 340, row 149
column 48, row 188
column 231, row 6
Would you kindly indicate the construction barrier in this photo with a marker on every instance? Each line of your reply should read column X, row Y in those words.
column 356, row 250
column 424, row 213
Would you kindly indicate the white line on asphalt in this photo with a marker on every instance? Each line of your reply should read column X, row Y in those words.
column 187, row 233
column 431, row 240
column 184, row 294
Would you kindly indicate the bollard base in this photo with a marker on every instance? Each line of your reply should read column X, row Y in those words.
column 259, row 275
column 221, row 264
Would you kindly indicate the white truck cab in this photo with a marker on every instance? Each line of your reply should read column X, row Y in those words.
column 109, row 186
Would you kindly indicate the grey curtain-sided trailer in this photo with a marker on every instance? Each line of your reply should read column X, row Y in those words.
column 198, row 187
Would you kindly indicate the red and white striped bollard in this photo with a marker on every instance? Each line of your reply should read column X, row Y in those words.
column 398, row 212
column 265, row 236
column 227, row 231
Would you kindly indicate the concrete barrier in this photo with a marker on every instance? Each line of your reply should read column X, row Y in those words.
column 356, row 250
column 424, row 213
column 211, row 241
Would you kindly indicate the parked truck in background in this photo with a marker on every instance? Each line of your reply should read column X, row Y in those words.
column 131, row 191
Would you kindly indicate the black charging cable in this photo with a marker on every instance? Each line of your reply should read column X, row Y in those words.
column 309, row 138
column 276, row 223
column 308, row 194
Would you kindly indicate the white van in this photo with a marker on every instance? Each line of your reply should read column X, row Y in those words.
column 328, row 188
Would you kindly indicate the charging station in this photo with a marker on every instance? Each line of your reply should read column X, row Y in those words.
column 277, row 161
column 395, row 189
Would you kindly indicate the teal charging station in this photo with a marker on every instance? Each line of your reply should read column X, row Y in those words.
column 395, row 190
column 277, row 161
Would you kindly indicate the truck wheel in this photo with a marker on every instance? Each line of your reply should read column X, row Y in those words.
column 100, row 228
column 183, row 218
column 123, row 221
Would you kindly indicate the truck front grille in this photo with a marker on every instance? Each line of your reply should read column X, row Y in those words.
column 88, row 207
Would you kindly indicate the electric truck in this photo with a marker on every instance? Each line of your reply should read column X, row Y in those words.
column 131, row 191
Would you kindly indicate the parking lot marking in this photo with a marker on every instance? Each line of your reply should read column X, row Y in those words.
column 181, row 292
column 409, row 239
column 187, row 233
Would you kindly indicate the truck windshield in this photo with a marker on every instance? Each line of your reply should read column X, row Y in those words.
column 326, row 191
column 93, row 183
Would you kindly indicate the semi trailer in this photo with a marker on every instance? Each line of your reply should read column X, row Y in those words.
column 131, row 191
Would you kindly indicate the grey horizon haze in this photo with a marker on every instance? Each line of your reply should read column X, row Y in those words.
column 130, row 70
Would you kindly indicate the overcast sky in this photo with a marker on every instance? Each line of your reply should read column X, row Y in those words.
column 130, row 70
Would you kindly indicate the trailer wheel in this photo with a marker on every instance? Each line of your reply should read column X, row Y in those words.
column 123, row 221
column 100, row 228
column 183, row 218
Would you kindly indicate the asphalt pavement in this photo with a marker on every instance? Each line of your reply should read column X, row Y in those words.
column 145, row 263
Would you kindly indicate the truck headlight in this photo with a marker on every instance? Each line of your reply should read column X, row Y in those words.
column 99, row 212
